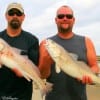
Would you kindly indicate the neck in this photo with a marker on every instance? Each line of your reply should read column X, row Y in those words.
column 66, row 35
column 13, row 32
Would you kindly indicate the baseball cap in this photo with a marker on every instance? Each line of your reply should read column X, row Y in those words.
column 16, row 6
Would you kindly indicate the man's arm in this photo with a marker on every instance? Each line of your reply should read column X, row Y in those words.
column 91, row 56
column 45, row 60
column 92, row 61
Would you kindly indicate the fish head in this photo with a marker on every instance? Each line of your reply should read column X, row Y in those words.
column 52, row 48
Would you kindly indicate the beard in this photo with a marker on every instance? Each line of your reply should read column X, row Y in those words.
column 64, row 30
column 15, row 24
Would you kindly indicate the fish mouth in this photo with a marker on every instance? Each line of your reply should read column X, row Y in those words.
column 50, row 48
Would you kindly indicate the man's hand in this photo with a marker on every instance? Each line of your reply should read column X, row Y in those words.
column 86, row 80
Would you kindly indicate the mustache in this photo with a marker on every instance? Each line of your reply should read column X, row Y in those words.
column 14, row 20
column 65, row 22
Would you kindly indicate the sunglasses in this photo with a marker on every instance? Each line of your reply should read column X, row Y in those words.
column 12, row 13
column 68, row 16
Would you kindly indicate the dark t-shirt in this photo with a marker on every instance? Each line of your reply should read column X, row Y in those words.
column 66, row 87
column 11, row 86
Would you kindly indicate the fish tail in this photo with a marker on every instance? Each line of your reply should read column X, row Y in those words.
column 48, row 87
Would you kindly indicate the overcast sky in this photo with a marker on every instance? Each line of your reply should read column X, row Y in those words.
column 40, row 16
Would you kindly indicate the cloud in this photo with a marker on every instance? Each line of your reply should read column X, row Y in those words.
column 40, row 17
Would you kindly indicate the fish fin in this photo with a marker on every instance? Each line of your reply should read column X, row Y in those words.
column 17, row 72
column 20, row 73
column 74, row 56
column 18, row 51
column 58, row 70
column 47, row 89
column 27, row 76
column 49, row 86
column 43, row 91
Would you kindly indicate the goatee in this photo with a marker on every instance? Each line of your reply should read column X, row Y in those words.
column 62, row 30
column 15, row 24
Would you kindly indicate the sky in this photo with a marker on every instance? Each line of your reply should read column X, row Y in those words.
column 40, row 17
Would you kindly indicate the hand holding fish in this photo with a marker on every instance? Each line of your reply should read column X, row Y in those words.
column 86, row 80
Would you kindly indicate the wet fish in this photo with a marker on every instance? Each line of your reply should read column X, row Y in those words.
column 69, row 63
column 13, row 60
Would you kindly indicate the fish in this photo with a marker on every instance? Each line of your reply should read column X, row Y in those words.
column 22, row 66
column 69, row 63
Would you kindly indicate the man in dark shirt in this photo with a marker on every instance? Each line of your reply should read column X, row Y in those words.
column 64, row 86
column 12, row 86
